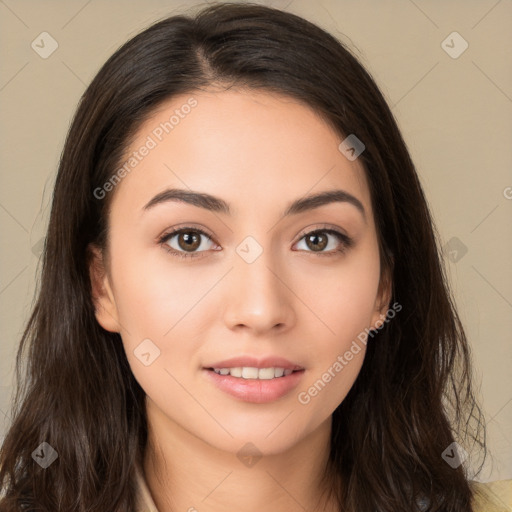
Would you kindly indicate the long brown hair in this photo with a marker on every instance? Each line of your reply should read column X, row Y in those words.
column 413, row 396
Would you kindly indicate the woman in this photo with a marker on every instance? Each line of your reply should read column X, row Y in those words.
column 242, row 300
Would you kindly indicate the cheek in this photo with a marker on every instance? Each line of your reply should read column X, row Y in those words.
column 157, row 300
column 343, row 302
column 153, row 289
column 341, row 296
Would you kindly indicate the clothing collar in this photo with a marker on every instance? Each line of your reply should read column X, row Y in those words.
column 145, row 501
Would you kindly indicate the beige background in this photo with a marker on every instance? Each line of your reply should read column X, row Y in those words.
column 455, row 114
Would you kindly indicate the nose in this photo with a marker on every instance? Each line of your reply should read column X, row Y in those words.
column 258, row 297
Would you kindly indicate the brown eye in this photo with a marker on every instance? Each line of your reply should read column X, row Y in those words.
column 185, row 242
column 189, row 240
column 316, row 242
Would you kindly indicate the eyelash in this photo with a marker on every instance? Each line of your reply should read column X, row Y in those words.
column 346, row 242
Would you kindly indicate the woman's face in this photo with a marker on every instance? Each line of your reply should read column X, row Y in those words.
column 253, row 286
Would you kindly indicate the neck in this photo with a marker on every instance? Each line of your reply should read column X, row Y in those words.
column 183, row 473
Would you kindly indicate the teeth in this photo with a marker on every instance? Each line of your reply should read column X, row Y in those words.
column 235, row 372
column 248, row 372
column 263, row 373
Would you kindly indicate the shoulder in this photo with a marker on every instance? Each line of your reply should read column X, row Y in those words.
column 488, row 497
column 492, row 496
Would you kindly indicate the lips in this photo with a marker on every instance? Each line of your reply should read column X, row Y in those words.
column 252, row 390
column 249, row 378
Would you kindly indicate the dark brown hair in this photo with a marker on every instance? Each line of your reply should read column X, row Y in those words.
column 413, row 396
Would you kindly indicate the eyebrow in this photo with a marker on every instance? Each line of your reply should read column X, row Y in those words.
column 215, row 204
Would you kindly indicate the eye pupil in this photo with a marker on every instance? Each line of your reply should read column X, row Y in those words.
column 313, row 238
column 192, row 240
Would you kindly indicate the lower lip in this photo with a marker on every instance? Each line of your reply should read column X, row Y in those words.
column 255, row 390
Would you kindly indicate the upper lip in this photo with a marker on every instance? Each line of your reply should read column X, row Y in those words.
column 254, row 362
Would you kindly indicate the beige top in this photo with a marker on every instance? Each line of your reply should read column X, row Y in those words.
column 145, row 501
column 490, row 497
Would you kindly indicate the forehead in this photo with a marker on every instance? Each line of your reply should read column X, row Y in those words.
column 255, row 149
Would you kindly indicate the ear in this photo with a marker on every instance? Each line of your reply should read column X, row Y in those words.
column 384, row 295
column 102, row 296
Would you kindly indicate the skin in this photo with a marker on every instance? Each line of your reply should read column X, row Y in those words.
column 257, row 151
